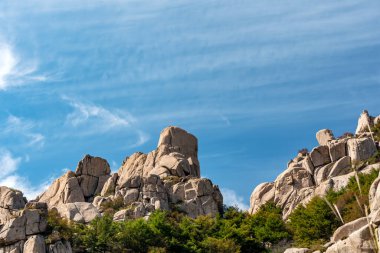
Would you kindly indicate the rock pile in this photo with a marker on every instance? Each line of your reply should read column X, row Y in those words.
column 327, row 166
column 23, row 226
column 167, row 178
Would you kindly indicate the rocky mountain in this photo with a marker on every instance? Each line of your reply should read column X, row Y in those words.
column 329, row 166
column 167, row 178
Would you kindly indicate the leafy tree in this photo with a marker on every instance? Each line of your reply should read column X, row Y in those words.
column 268, row 226
column 313, row 223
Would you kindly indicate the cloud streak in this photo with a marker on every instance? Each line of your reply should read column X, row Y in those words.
column 9, row 176
column 231, row 198
column 94, row 119
column 22, row 127
column 15, row 71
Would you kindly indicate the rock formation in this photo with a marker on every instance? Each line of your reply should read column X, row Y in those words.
column 23, row 226
column 166, row 178
column 327, row 166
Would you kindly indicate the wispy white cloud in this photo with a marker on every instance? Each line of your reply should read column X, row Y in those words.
column 15, row 71
column 23, row 127
column 95, row 119
column 8, row 163
column 106, row 120
column 7, row 63
column 142, row 138
column 230, row 198
column 9, row 166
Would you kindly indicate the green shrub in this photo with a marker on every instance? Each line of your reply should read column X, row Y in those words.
column 215, row 245
column 350, row 200
column 58, row 227
column 268, row 225
column 313, row 223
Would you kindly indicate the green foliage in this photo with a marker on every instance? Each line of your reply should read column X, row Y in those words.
column 313, row 224
column 350, row 200
column 98, row 236
column 268, row 226
column 234, row 231
column 215, row 245
column 376, row 132
column 58, row 227
column 111, row 207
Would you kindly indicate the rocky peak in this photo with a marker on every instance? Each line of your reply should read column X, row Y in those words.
column 178, row 140
column 327, row 166
column 23, row 226
column 166, row 177
column 93, row 166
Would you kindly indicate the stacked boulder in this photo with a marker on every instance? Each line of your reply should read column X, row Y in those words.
column 23, row 226
column 327, row 166
column 167, row 178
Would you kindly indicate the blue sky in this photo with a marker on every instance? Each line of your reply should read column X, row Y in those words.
column 253, row 80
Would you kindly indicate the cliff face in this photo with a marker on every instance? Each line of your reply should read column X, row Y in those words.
column 167, row 178
column 329, row 166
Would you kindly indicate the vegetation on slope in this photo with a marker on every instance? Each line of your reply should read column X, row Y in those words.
column 312, row 225
column 234, row 231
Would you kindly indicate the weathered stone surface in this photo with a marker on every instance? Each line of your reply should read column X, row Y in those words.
column 178, row 140
column 337, row 149
column 341, row 167
column 321, row 173
column 92, row 173
column 324, row 136
column 11, row 199
column 64, row 190
column 376, row 121
column 261, row 194
column 35, row 244
column 35, row 221
column 365, row 121
column 296, row 250
column 131, row 196
column 174, row 164
column 359, row 241
column 374, row 195
column 291, row 187
column 132, row 168
column 80, row 212
column 60, row 247
column 13, row 230
column 360, row 149
column 348, row 228
column 110, row 185
column 93, row 166
column 14, row 248
column 320, row 156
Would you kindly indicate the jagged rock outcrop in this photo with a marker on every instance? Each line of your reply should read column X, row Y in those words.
column 324, row 136
column 166, row 178
column 327, row 166
column 88, row 180
column 365, row 121
column 80, row 212
column 23, row 225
